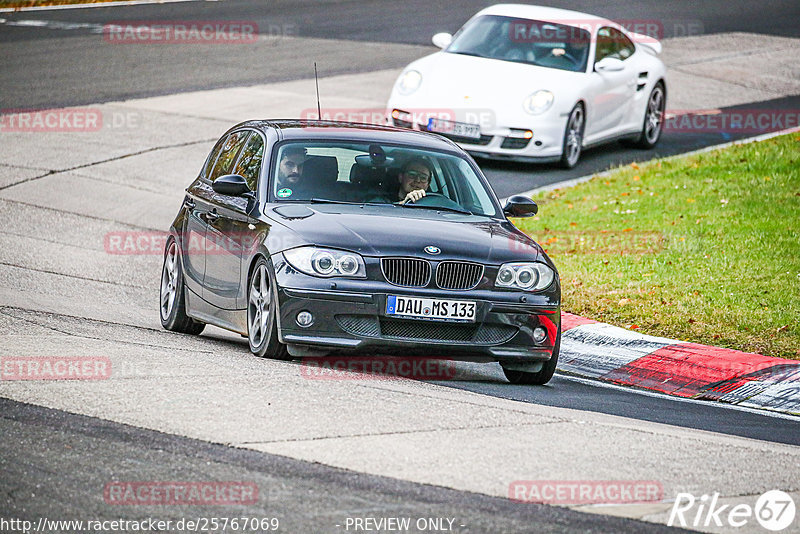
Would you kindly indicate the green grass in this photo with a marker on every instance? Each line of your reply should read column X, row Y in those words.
column 704, row 248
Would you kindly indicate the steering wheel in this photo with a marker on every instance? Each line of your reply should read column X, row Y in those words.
column 437, row 200
column 558, row 61
column 570, row 57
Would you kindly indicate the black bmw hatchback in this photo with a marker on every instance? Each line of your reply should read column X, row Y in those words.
column 311, row 238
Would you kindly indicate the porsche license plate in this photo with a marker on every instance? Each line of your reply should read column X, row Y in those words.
column 461, row 129
column 432, row 309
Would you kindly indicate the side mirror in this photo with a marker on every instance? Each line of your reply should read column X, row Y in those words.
column 609, row 64
column 442, row 40
column 231, row 184
column 520, row 206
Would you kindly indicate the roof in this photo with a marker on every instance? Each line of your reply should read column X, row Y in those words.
column 314, row 129
column 546, row 14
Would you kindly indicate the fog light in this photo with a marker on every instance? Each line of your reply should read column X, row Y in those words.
column 305, row 319
column 539, row 334
column 516, row 133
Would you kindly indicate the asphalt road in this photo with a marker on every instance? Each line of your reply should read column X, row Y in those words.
column 47, row 471
column 55, row 464
column 567, row 392
column 67, row 62
column 48, row 62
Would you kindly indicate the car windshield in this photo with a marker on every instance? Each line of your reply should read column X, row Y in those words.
column 352, row 172
column 534, row 42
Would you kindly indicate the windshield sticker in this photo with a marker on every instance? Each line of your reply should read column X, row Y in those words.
column 285, row 192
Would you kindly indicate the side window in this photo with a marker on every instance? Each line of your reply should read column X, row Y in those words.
column 227, row 157
column 605, row 44
column 250, row 163
column 625, row 47
column 212, row 158
column 613, row 43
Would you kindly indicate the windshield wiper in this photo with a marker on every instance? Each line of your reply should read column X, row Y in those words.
column 438, row 208
column 469, row 54
column 329, row 201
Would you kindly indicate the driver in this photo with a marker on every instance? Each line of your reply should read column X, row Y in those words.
column 291, row 167
column 414, row 178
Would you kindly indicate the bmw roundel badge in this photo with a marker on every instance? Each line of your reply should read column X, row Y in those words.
column 430, row 249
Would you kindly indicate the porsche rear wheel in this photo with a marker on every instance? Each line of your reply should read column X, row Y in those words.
column 262, row 321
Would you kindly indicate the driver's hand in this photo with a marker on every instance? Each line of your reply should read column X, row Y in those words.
column 413, row 196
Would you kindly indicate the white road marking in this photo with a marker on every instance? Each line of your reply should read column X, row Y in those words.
column 54, row 25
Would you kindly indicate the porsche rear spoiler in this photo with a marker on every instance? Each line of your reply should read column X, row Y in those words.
column 653, row 44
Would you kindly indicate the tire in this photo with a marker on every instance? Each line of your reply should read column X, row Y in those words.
column 262, row 323
column 573, row 137
column 542, row 377
column 172, row 296
column 653, row 118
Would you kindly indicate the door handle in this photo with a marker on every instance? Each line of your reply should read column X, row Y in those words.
column 189, row 203
column 212, row 215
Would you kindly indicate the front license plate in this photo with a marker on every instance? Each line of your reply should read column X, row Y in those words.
column 432, row 309
column 461, row 129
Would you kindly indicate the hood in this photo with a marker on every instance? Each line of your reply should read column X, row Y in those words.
column 385, row 231
column 467, row 82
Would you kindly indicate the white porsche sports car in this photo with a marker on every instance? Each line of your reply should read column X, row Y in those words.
column 532, row 83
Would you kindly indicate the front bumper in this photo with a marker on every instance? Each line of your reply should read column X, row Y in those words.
column 501, row 141
column 350, row 315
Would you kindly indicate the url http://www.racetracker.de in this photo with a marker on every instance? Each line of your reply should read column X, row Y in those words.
column 98, row 526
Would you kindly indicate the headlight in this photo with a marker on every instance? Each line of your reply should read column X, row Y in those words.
column 326, row 262
column 538, row 102
column 533, row 276
column 409, row 82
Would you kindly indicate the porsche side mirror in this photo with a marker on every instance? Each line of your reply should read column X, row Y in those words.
column 442, row 40
column 231, row 184
column 609, row 64
column 520, row 206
